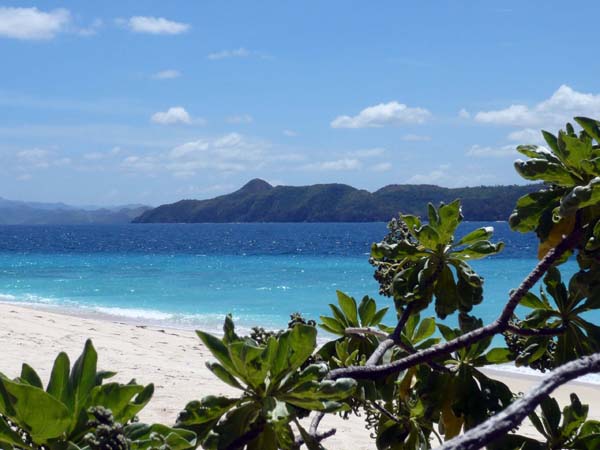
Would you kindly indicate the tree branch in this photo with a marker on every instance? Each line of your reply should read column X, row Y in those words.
column 498, row 326
column 536, row 331
column 500, row 424
column 318, row 436
column 392, row 339
column 365, row 330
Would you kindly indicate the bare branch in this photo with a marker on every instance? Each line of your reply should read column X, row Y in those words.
column 385, row 412
column 366, row 330
column 392, row 339
column 536, row 331
column 314, row 424
column 318, row 436
column 498, row 326
column 513, row 415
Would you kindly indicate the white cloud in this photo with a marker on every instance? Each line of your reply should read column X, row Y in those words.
column 168, row 74
column 97, row 156
column 232, row 152
column 32, row 24
column 37, row 158
column 415, row 138
column 156, row 25
column 527, row 136
column 236, row 53
column 290, row 133
column 223, row 54
column 367, row 153
column 335, row 165
column 33, row 155
column 381, row 167
column 479, row 151
column 136, row 163
column 240, row 119
column 92, row 29
column 445, row 175
column 383, row 114
column 175, row 115
column 562, row 106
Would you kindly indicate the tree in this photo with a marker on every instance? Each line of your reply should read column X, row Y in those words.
column 418, row 387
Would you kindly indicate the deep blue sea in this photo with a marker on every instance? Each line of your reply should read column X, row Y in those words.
column 191, row 275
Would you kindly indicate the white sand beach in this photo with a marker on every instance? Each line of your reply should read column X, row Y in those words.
column 174, row 360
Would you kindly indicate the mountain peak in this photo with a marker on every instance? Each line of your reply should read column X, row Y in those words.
column 256, row 185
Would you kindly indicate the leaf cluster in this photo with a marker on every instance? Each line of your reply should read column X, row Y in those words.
column 274, row 390
column 65, row 412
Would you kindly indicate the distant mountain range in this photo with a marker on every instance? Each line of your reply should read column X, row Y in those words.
column 14, row 212
column 258, row 201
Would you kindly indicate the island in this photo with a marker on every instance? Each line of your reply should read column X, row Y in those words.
column 259, row 201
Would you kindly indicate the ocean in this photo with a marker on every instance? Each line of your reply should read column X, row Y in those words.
column 192, row 275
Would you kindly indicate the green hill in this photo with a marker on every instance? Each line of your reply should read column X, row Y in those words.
column 258, row 201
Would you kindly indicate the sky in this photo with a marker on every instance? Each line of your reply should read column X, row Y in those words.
column 119, row 102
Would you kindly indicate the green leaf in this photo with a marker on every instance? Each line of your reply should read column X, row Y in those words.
column 249, row 363
column 58, row 386
column 478, row 250
column 529, row 209
column 218, row 350
column 119, row 399
column 533, row 151
column 449, row 218
column 332, row 325
column 542, row 169
column 591, row 127
column 310, row 442
column 580, row 197
column 429, row 237
column 432, row 214
column 295, row 346
column 366, row 310
column 498, row 355
column 446, row 294
column 480, row 234
column 412, row 222
column 206, row 410
column 35, row 410
column 10, row 436
column 83, row 375
column 379, row 315
column 224, row 375
column 425, row 330
column 530, row 300
column 446, row 331
column 29, row 376
column 348, row 305
column 147, row 437
column 550, row 414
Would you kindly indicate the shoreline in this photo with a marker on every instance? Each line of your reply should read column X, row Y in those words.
column 174, row 360
column 508, row 370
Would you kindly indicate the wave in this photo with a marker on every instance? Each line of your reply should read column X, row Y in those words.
column 211, row 322
column 512, row 369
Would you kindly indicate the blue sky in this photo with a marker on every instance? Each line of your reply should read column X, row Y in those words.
column 148, row 102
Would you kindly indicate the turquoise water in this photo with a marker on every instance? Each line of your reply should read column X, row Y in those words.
column 192, row 275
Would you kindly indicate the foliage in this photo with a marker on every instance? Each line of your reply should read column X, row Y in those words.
column 423, row 261
column 63, row 414
column 275, row 390
column 261, row 335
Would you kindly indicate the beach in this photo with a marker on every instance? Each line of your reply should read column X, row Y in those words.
column 174, row 360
